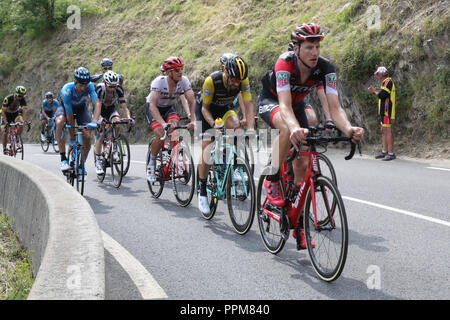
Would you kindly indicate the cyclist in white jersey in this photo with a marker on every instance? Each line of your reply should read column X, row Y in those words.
column 160, row 106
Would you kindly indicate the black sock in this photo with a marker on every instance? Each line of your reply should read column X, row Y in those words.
column 63, row 156
column 203, row 192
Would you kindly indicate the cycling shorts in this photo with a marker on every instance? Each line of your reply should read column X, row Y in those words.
column 216, row 112
column 385, row 121
column 80, row 115
column 11, row 117
column 109, row 112
column 269, row 106
column 48, row 113
column 167, row 113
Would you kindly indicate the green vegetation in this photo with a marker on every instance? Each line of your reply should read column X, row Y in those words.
column 137, row 35
column 16, row 277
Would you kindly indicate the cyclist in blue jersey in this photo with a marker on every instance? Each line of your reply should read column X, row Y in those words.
column 75, row 97
column 48, row 108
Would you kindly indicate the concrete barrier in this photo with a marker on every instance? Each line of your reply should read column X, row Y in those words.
column 59, row 230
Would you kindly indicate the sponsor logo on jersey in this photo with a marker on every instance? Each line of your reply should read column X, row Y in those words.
column 206, row 92
column 282, row 78
column 331, row 80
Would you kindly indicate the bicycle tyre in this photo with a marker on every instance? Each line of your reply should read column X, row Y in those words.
column 45, row 144
column 249, row 156
column 188, row 174
column 19, row 142
column 326, row 236
column 156, row 188
column 125, row 146
column 211, row 192
column 80, row 177
column 70, row 174
column 246, row 177
column 326, row 168
column 116, row 163
column 269, row 228
column 54, row 143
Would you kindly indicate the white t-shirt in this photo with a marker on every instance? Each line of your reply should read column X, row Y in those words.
column 161, row 86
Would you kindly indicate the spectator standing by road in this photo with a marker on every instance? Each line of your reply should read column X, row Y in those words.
column 386, row 112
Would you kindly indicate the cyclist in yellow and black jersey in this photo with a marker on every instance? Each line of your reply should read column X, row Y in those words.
column 219, row 91
column 14, row 109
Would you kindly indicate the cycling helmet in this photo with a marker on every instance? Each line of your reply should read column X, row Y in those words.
column 49, row 95
column 291, row 46
column 161, row 69
column 225, row 57
column 381, row 70
column 306, row 31
column 82, row 75
column 106, row 63
column 111, row 78
column 21, row 90
column 237, row 68
column 172, row 62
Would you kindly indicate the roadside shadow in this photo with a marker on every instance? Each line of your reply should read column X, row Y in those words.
column 97, row 206
column 367, row 242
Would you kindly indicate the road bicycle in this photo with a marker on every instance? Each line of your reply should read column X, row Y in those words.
column 50, row 136
column 14, row 143
column 77, row 172
column 173, row 163
column 112, row 155
column 230, row 177
column 315, row 206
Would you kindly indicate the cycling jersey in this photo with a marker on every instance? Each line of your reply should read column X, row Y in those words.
column 49, row 108
column 286, row 77
column 11, row 107
column 161, row 86
column 117, row 95
column 71, row 101
column 216, row 94
column 386, row 102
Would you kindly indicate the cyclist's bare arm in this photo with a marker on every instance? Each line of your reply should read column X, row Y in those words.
column 324, row 103
column 249, row 114
column 154, row 109
column 185, row 105
column 191, row 99
column 125, row 110
column 4, row 114
column 340, row 118
column 207, row 114
column 97, row 109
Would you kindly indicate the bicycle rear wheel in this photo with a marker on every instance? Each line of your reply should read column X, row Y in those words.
column 156, row 188
column 331, row 238
column 269, row 220
column 19, row 147
column 116, row 163
column 240, row 193
column 125, row 146
column 183, row 175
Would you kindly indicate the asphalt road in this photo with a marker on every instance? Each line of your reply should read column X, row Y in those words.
column 398, row 216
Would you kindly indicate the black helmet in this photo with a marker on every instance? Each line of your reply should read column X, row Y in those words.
column 49, row 95
column 237, row 68
column 21, row 90
column 82, row 75
column 310, row 31
column 106, row 63
column 291, row 46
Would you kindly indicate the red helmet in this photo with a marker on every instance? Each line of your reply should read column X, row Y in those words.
column 310, row 31
column 172, row 62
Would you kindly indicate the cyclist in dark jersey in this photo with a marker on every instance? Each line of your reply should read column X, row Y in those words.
column 281, row 102
column 14, row 109
column 49, row 106
column 106, row 65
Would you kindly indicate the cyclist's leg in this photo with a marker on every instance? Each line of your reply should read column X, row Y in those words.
column 60, row 121
column 20, row 120
column 311, row 115
column 82, row 119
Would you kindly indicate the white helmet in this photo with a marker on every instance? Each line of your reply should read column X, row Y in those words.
column 111, row 78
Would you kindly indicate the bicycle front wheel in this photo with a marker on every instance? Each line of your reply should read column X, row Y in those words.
column 211, row 190
column 125, row 146
column 45, row 144
column 80, row 170
column 183, row 175
column 330, row 239
column 116, row 163
column 19, row 147
column 240, row 192
column 269, row 220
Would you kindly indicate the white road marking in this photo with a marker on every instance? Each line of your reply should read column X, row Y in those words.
column 146, row 284
column 408, row 213
column 436, row 168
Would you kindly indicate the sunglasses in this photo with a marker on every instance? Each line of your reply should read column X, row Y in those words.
column 177, row 69
column 111, row 86
column 107, row 68
column 235, row 80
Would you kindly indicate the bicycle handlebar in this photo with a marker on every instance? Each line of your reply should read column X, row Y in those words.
column 167, row 129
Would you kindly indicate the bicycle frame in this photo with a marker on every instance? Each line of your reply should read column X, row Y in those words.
column 12, row 137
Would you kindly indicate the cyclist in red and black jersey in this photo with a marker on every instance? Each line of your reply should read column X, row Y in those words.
column 281, row 102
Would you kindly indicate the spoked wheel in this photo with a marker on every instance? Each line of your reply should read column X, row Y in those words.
column 156, row 188
column 269, row 220
column 101, row 177
column 240, row 193
column 70, row 174
column 19, row 147
column 211, row 187
column 125, row 146
column 249, row 156
column 46, row 144
column 183, row 175
column 80, row 170
column 116, row 163
column 54, row 143
column 330, row 236
column 327, row 170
